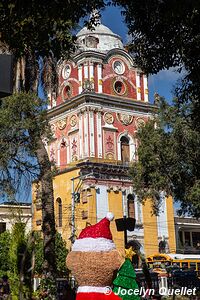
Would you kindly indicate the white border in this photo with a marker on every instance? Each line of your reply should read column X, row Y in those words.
column 63, row 71
column 93, row 289
column 123, row 66
column 93, row 245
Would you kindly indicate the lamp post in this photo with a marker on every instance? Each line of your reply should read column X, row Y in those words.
column 75, row 199
column 124, row 224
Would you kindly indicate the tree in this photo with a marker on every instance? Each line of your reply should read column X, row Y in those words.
column 37, row 33
column 125, row 282
column 61, row 254
column 168, row 159
column 4, row 248
column 165, row 34
column 23, row 128
column 20, row 262
column 21, row 254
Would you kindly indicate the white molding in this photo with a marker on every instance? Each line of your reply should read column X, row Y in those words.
column 80, row 78
column 80, row 135
column 162, row 222
column 99, row 78
column 102, row 204
column 72, row 131
column 85, row 154
column 91, row 72
column 109, row 127
column 99, row 135
column 146, row 95
column 132, row 146
column 138, row 86
column 86, row 75
column 91, row 132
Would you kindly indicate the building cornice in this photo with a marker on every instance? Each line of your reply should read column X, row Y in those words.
column 104, row 100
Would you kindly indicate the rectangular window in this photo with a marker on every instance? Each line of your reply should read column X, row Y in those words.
column 131, row 208
column 187, row 238
column 180, row 234
column 196, row 240
column 84, row 214
column 60, row 215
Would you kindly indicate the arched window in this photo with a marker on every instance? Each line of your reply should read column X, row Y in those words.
column 125, row 151
column 91, row 41
column 59, row 210
column 131, row 206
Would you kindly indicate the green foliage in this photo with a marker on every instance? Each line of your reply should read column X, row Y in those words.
column 16, row 250
column 12, row 252
column 47, row 290
column 23, row 123
column 61, row 254
column 60, row 250
column 20, row 261
column 164, row 33
column 38, row 253
column 5, row 239
column 48, row 23
column 169, row 158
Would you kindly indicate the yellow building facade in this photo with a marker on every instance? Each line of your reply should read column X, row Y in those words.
column 101, row 102
column 149, row 231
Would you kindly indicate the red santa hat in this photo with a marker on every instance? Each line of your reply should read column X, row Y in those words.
column 96, row 238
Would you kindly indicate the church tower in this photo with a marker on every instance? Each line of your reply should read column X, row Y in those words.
column 102, row 100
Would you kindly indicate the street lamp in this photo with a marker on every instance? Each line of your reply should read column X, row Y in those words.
column 124, row 224
column 75, row 197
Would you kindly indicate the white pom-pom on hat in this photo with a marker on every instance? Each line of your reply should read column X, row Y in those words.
column 110, row 216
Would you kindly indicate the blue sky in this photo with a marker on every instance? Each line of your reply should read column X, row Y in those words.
column 164, row 81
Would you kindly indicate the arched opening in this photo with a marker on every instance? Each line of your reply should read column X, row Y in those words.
column 119, row 87
column 125, row 149
column 91, row 41
column 59, row 210
column 163, row 246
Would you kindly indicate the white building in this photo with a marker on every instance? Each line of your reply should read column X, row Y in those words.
column 14, row 213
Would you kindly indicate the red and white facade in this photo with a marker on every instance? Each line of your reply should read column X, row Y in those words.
column 102, row 100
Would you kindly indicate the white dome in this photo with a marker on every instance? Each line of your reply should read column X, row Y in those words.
column 100, row 39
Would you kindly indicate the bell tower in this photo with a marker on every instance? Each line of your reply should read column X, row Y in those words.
column 102, row 101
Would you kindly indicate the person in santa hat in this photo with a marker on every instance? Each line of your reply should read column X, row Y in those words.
column 94, row 261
